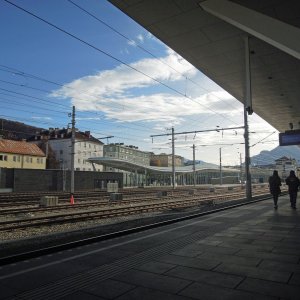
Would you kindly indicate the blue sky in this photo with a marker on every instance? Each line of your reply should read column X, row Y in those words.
column 130, row 87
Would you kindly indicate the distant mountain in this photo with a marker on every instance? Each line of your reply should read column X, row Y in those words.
column 268, row 157
column 15, row 130
column 188, row 162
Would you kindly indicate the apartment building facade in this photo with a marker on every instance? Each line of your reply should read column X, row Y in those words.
column 128, row 153
column 59, row 142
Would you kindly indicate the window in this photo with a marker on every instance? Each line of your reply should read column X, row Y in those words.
column 30, row 160
column 79, row 160
column 61, row 152
column 14, row 158
column 41, row 160
column 38, row 160
column 89, row 145
column 27, row 159
column 3, row 157
column 19, row 158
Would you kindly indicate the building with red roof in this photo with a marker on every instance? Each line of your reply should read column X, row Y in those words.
column 20, row 154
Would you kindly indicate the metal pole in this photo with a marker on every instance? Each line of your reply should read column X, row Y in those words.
column 221, row 175
column 194, row 165
column 241, row 178
column 247, row 110
column 173, row 159
column 72, row 150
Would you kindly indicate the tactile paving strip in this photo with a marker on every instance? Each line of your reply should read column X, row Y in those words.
column 74, row 283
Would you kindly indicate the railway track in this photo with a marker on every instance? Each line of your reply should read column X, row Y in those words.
column 63, row 214
column 27, row 251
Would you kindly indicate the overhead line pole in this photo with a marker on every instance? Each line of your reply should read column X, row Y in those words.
column 194, row 165
column 247, row 110
column 188, row 132
column 72, row 150
column 173, row 159
column 221, row 176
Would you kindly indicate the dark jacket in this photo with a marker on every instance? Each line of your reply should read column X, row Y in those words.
column 293, row 183
column 274, row 185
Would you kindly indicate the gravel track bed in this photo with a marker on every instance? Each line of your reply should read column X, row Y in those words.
column 20, row 241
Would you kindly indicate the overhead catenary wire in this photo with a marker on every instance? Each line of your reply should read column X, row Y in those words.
column 112, row 57
column 141, row 47
column 24, row 74
column 120, row 106
column 47, row 101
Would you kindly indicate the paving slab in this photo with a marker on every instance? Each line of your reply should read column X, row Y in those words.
column 155, row 281
column 225, row 258
column 279, row 276
column 150, row 294
column 280, row 266
column 219, row 279
column 269, row 256
column 249, row 252
column 209, row 292
column 295, row 280
column 156, row 267
column 205, row 264
column 81, row 295
column 109, row 289
column 269, row 288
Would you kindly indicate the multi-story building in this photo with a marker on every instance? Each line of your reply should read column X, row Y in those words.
column 128, row 153
column 165, row 160
column 58, row 141
column 284, row 165
column 22, row 155
column 131, row 154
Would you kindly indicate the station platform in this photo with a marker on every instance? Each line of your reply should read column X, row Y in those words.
column 248, row 252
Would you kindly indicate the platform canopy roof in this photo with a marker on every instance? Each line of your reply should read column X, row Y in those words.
column 131, row 166
column 210, row 35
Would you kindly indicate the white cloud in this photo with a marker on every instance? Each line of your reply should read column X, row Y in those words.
column 89, row 118
column 125, row 95
column 140, row 38
column 41, row 118
column 132, row 43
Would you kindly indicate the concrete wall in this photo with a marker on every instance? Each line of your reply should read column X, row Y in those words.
column 25, row 180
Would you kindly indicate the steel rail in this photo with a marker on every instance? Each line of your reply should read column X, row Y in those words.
column 81, row 242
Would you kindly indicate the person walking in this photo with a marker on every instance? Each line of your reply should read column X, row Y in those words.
column 293, row 183
column 274, row 185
